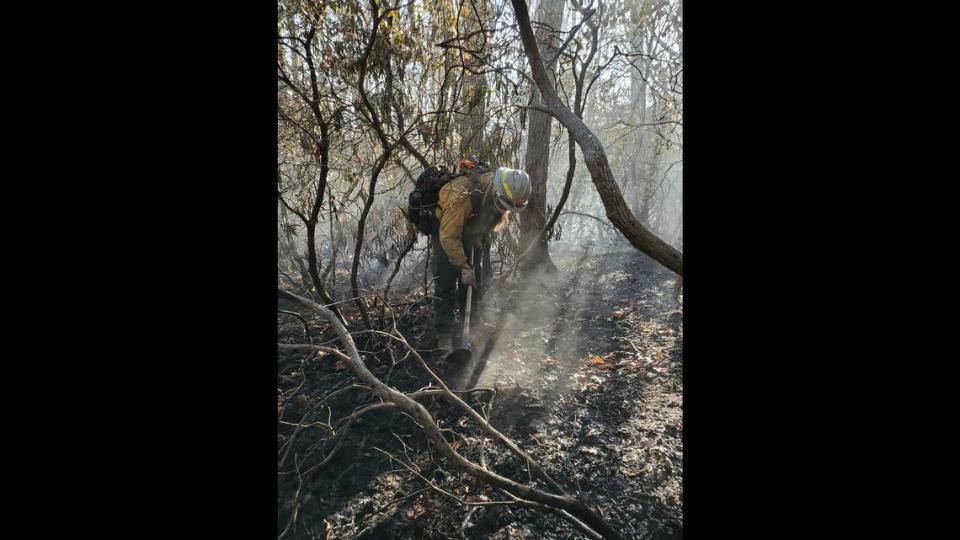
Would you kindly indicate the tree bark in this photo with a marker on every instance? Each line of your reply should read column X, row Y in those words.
column 313, row 262
column 638, row 116
column 475, row 86
column 537, row 159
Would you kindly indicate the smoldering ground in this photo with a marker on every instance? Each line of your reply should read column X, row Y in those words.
column 612, row 428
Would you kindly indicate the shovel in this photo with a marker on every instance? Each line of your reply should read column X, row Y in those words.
column 461, row 353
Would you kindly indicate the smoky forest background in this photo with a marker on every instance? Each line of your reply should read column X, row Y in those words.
column 567, row 421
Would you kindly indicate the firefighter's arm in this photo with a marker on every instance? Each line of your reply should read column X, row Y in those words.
column 456, row 208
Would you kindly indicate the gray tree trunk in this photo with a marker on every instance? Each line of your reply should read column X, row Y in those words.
column 537, row 162
column 474, row 85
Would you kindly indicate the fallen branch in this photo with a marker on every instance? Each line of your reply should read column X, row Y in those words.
column 492, row 431
column 562, row 513
column 421, row 417
column 437, row 488
column 289, row 443
column 306, row 327
column 352, row 419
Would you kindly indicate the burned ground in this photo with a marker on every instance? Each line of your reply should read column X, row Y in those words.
column 586, row 367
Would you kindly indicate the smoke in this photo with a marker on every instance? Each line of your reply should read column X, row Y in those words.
column 537, row 320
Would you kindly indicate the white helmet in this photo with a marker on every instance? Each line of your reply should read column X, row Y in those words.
column 511, row 189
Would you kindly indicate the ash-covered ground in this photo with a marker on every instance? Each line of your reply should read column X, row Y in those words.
column 587, row 368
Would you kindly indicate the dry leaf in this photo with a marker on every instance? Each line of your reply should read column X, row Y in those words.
column 422, row 507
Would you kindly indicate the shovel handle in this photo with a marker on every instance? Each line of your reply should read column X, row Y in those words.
column 466, row 311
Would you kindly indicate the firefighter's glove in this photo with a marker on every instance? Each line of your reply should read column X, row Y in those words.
column 467, row 276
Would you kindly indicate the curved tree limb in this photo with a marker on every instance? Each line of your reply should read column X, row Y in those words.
column 595, row 157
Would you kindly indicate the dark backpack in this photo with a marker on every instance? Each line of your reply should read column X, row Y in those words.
column 422, row 202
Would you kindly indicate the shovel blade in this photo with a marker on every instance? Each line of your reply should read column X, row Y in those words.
column 459, row 356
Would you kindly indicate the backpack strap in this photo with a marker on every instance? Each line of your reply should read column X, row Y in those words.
column 476, row 191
